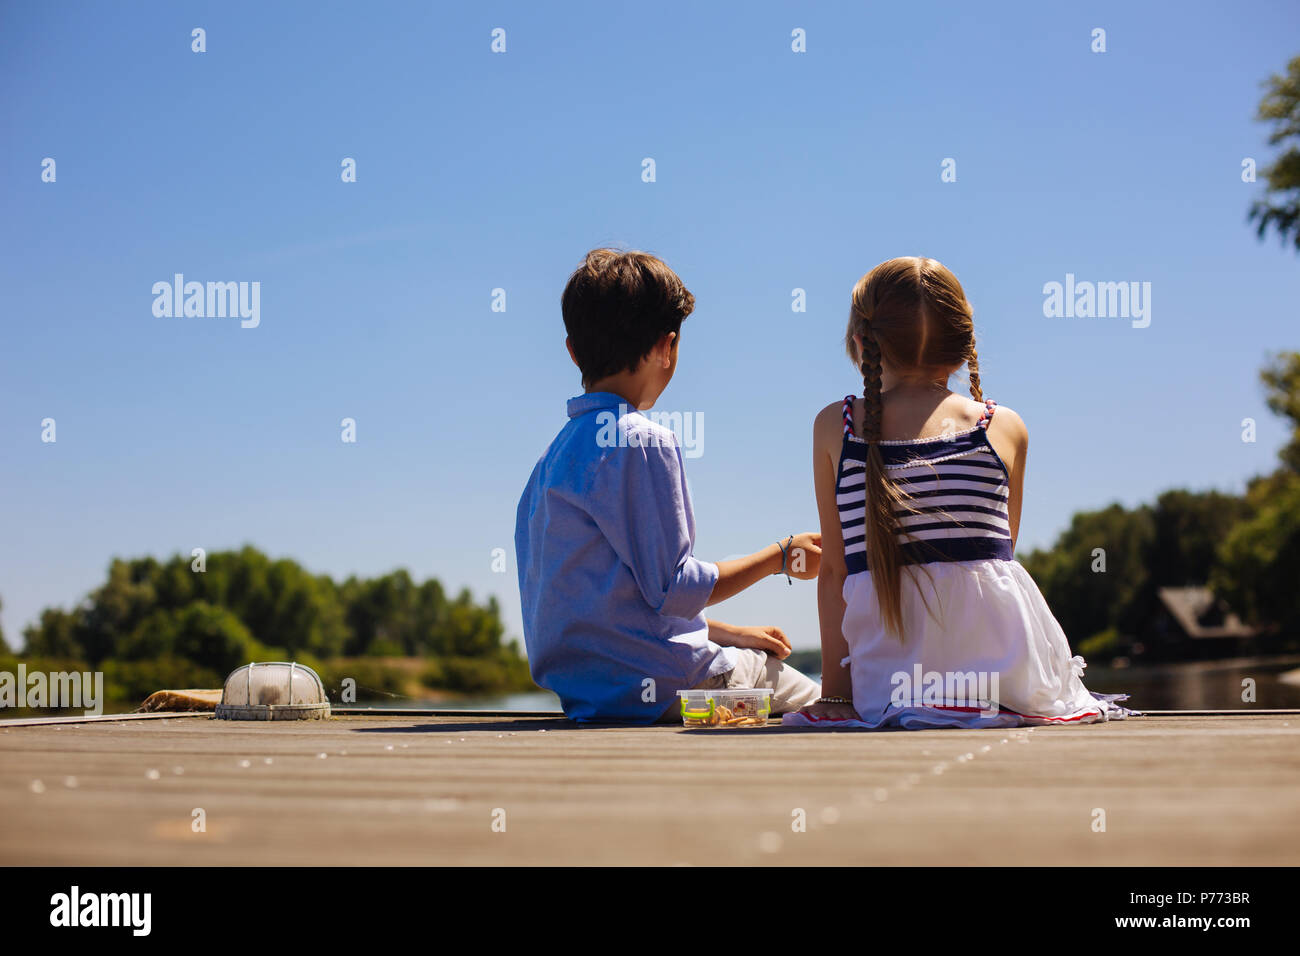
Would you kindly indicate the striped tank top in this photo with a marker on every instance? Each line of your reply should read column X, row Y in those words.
column 957, row 490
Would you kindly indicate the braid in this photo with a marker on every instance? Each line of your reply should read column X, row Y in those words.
column 973, row 368
column 871, row 373
column 882, row 495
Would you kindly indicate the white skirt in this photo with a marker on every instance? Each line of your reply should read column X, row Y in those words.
column 987, row 653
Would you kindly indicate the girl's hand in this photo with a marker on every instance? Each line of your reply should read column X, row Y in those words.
column 803, row 555
column 831, row 712
column 763, row 638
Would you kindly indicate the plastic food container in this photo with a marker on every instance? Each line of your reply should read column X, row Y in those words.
column 726, row 708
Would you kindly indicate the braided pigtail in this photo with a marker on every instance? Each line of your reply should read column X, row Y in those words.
column 882, row 496
column 973, row 370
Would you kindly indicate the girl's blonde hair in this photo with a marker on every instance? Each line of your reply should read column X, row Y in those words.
column 912, row 312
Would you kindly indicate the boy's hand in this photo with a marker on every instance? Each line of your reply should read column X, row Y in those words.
column 763, row 638
column 804, row 555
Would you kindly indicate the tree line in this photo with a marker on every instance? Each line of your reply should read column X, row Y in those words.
column 155, row 624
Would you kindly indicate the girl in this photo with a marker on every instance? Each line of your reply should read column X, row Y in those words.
column 927, row 620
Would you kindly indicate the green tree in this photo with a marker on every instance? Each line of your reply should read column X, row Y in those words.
column 1085, row 599
column 56, row 635
column 208, row 636
column 1281, row 378
column 116, row 609
column 1258, row 563
column 472, row 630
column 280, row 602
column 1258, row 571
column 1280, row 210
column 392, row 615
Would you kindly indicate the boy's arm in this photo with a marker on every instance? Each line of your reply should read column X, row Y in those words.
column 764, row 638
column 734, row 576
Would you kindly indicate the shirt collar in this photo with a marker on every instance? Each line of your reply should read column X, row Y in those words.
column 582, row 404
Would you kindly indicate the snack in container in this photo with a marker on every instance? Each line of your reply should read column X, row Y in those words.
column 742, row 707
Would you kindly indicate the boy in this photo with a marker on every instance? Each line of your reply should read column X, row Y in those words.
column 613, row 597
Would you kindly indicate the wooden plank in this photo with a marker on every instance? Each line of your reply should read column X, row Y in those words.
column 97, row 718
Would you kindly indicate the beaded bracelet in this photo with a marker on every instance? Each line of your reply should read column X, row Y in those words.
column 834, row 700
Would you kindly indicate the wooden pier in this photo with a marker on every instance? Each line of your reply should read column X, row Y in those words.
column 470, row 790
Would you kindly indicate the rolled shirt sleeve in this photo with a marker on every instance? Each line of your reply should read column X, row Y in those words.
column 641, row 504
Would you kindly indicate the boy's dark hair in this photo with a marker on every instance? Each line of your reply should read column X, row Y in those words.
column 616, row 306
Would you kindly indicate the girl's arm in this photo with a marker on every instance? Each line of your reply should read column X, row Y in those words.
column 1010, row 439
column 836, row 680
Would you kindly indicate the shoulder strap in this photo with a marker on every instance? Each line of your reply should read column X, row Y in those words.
column 989, row 407
column 848, row 414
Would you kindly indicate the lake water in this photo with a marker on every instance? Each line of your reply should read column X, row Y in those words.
column 1209, row 685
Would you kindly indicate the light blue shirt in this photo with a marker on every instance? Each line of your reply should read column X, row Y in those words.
column 613, row 598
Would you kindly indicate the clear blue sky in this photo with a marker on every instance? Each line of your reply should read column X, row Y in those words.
column 476, row 171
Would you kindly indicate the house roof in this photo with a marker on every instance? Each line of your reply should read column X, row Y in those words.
column 1201, row 615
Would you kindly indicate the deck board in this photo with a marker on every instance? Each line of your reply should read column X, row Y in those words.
column 421, row 791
